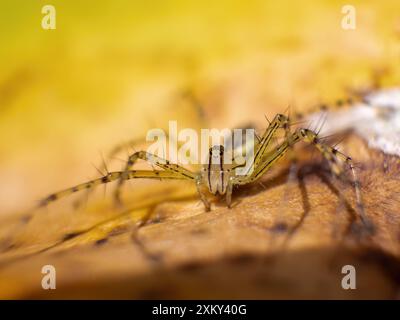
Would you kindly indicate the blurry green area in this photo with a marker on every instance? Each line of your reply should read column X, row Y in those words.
column 113, row 69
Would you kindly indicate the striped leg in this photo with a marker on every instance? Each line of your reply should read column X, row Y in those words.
column 331, row 154
column 280, row 121
column 174, row 169
column 113, row 176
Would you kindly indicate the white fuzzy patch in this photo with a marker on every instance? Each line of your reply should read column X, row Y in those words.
column 377, row 120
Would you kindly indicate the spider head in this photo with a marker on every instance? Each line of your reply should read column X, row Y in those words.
column 216, row 155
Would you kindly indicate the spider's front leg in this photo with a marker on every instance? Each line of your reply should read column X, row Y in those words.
column 199, row 184
column 229, row 189
column 331, row 154
column 154, row 160
column 279, row 121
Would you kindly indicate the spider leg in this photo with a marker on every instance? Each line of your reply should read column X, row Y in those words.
column 329, row 153
column 229, row 190
column 174, row 169
column 292, row 175
column 203, row 197
column 193, row 103
column 293, row 169
column 112, row 155
column 279, row 121
column 262, row 143
column 129, row 145
column 112, row 176
column 117, row 149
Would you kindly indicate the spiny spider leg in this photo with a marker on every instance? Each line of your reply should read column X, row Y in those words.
column 130, row 145
column 329, row 153
column 154, row 160
column 292, row 174
column 279, row 121
column 112, row 156
column 112, row 176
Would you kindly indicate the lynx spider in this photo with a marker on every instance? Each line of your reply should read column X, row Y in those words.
column 219, row 177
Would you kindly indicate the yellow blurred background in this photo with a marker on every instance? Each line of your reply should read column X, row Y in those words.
column 113, row 69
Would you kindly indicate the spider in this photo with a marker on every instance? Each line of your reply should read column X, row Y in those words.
column 220, row 177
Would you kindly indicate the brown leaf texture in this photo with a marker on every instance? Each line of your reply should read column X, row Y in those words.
column 280, row 240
